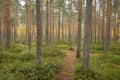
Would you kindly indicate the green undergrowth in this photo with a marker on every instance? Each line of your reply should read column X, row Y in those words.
column 80, row 74
column 72, row 49
column 115, row 48
column 52, row 52
column 102, row 66
column 28, row 71
column 63, row 45
column 96, row 48
column 17, row 63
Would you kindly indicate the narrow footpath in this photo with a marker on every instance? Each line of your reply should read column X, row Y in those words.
column 68, row 65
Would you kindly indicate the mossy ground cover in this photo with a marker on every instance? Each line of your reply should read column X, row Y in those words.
column 17, row 63
column 102, row 66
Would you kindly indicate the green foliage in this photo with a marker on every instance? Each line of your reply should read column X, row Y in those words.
column 109, row 58
column 52, row 52
column 107, row 65
column 70, row 49
column 46, row 71
column 102, row 67
column 1, row 57
column 61, row 46
column 96, row 48
column 26, row 56
column 115, row 48
column 14, row 49
column 6, row 57
column 49, row 71
column 30, row 72
column 17, row 63
column 80, row 74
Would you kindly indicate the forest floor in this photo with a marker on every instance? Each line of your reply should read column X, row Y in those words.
column 68, row 60
column 17, row 63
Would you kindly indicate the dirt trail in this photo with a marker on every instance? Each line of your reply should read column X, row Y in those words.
column 68, row 60
column 68, row 65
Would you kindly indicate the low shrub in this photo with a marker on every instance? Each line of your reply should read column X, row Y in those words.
column 115, row 48
column 6, row 57
column 61, row 46
column 14, row 49
column 96, row 48
column 80, row 74
column 52, row 52
column 70, row 48
column 44, row 72
column 109, row 58
column 26, row 56
column 103, row 67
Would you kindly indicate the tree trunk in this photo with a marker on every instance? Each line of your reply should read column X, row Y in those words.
column 115, row 20
column 69, row 25
column 4, row 23
column 1, row 21
column 99, row 21
column 108, row 26
column 27, row 21
column 15, row 20
column 7, row 17
column 50, row 22
column 39, row 31
column 95, row 22
column 118, row 17
column 0, row 31
column 59, row 24
column 74, row 30
column 62, row 23
column 33, row 30
column 30, row 24
column 85, row 59
column 118, row 25
column 79, row 28
column 53, row 35
column 103, row 25
column 47, row 29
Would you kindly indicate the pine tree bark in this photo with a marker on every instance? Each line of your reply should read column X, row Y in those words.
column 99, row 22
column 59, row 24
column 7, row 17
column 27, row 20
column 30, row 24
column 50, row 21
column 62, row 23
column 15, row 20
column 0, row 31
column 108, row 25
column 33, row 22
column 85, row 59
column 4, row 22
column 47, row 25
column 39, row 31
column 95, row 22
column 115, row 20
column 53, row 35
column 69, row 24
column 79, row 28
column 1, row 22
column 103, row 25
column 118, row 25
